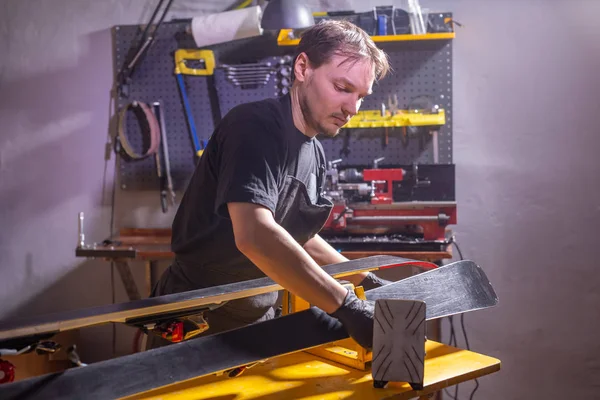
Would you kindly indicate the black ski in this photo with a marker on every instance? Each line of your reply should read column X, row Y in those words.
column 455, row 288
column 22, row 332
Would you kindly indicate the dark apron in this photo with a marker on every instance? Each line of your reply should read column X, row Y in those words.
column 297, row 214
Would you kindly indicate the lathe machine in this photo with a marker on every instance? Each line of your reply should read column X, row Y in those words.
column 390, row 208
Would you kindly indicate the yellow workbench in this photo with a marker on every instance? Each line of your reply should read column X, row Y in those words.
column 305, row 376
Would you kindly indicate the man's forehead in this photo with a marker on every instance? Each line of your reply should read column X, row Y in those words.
column 358, row 71
column 349, row 62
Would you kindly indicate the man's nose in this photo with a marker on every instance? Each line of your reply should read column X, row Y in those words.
column 351, row 106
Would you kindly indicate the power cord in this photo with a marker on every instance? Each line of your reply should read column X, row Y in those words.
column 453, row 338
column 111, row 141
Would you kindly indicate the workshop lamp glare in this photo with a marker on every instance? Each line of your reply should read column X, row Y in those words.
column 286, row 14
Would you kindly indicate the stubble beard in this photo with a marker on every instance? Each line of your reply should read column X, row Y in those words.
column 308, row 115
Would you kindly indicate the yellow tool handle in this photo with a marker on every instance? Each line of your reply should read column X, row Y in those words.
column 182, row 55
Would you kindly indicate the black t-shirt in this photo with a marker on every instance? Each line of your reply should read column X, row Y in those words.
column 254, row 148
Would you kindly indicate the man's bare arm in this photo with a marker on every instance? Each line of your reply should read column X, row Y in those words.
column 324, row 254
column 272, row 249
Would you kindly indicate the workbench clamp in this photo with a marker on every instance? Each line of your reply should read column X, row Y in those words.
column 399, row 342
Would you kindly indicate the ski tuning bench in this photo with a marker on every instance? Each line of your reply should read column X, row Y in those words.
column 273, row 347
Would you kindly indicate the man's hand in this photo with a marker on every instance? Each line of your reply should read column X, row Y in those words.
column 357, row 317
column 372, row 281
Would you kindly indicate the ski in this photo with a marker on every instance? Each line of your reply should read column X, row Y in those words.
column 22, row 332
column 452, row 289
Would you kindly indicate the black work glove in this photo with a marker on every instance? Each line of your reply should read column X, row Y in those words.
column 357, row 317
column 372, row 281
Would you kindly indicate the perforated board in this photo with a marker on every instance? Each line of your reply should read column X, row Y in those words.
column 154, row 80
column 419, row 68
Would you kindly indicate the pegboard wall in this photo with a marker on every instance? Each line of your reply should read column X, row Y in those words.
column 420, row 68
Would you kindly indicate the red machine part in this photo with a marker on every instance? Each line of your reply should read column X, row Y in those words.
column 174, row 332
column 383, row 192
column 7, row 372
column 337, row 217
column 432, row 220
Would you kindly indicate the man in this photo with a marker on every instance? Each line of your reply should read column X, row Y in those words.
column 253, row 206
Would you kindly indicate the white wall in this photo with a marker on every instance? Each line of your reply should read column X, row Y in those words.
column 55, row 81
column 525, row 146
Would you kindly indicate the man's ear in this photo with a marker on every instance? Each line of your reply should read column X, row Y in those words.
column 301, row 67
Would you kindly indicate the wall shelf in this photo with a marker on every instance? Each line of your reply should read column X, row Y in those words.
column 286, row 38
column 374, row 119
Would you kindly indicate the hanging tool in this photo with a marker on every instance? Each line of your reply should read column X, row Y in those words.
column 161, row 179
column 205, row 61
column 139, row 108
column 251, row 74
column 385, row 136
column 249, row 66
column 166, row 181
column 345, row 150
column 248, row 82
column 393, row 106
column 435, row 146
column 434, row 132
column 124, row 77
column 425, row 105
